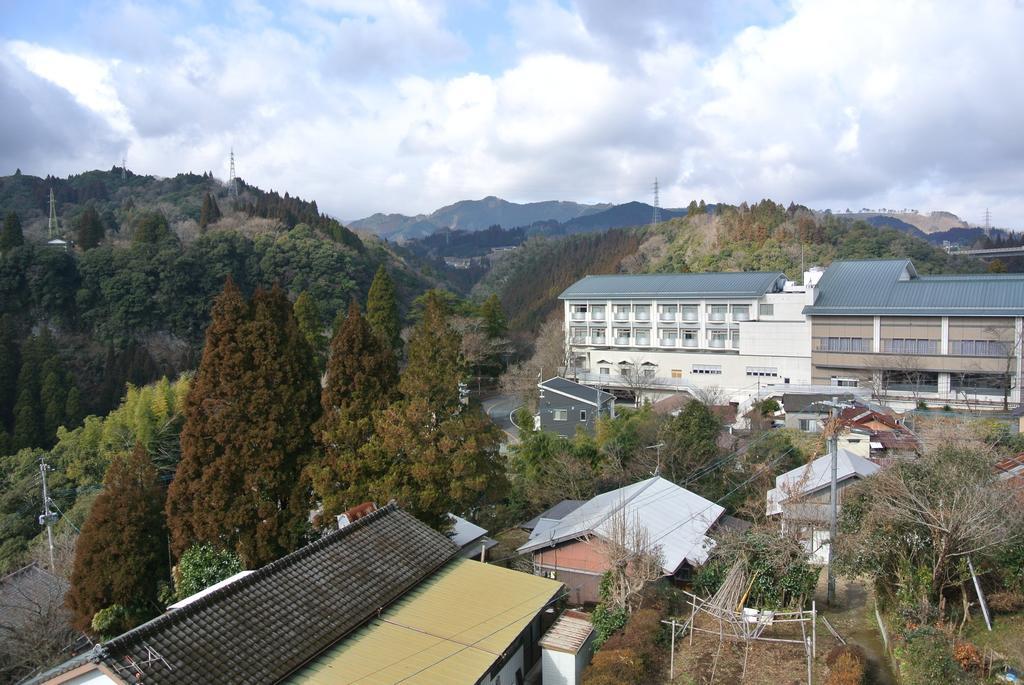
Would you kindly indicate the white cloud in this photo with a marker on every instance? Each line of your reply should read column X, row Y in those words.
column 375, row 106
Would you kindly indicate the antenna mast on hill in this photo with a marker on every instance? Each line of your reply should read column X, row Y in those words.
column 232, row 181
column 124, row 167
column 656, row 219
column 988, row 219
column 53, row 228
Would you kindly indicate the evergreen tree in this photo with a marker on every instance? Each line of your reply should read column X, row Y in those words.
column 382, row 309
column 435, row 454
column 310, row 322
column 151, row 227
column 209, row 213
column 28, row 429
column 362, row 378
column 11, row 235
column 121, row 554
column 89, row 228
column 495, row 324
column 435, row 364
column 9, row 365
column 247, row 432
column 690, row 441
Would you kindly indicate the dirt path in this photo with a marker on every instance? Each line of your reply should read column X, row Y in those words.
column 853, row 617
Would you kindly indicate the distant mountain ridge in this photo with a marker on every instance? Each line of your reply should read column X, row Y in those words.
column 549, row 218
column 474, row 215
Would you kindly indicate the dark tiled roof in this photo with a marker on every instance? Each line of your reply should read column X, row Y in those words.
column 557, row 512
column 267, row 624
column 584, row 393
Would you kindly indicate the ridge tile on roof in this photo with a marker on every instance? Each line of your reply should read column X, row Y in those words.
column 267, row 624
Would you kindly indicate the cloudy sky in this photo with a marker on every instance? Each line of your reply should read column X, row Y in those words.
column 408, row 105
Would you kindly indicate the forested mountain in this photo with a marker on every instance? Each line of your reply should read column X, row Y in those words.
column 473, row 215
column 130, row 300
column 763, row 237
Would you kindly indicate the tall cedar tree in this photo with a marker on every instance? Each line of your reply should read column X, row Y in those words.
column 209, row 213
column 362, row 379
column 121, row 555
column 310, row 322
column 495, row 324
column 10, row 361
column 89, row 228
column 435, row 454
column 247, row 432
column 382, row 309
column 11, row 235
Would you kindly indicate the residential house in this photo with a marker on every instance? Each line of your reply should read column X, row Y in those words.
column 566, row 649
column 875, row 433
column 385, row 599
column 565, row 406
column 801, row 498
column 809, row 411
column 555, row 513
column 572, row 549
column 471, row 538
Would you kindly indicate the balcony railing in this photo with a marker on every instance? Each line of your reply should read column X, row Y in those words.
column 716, row 316
column 668, row 342
column 665, row 316
column 643, row 342
column 579, row 316
column 716, row 343
column 621, row 341
column 690, row 316
column 642, row 316
column 689, row 343
column 579, row 339
column 741, row 316
column 622, row 316
column 597, row 340
column 597, row 316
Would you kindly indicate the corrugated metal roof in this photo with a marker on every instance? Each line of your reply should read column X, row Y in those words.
column 711, row 284
column 810, row 477
column 892, row 287
column 676, row 519
column 450, row 629
column 569, row 633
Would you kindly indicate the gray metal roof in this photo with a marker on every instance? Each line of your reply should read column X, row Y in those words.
column 583, row 393
column 892, row 287
column 715, row 284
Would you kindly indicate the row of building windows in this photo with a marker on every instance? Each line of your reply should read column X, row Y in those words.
column 762, row 371
column 668, row 312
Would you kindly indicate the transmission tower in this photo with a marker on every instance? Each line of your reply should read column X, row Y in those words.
column 232, row 181
column 124, row 167
column 53, row 228
column 656, row 219
column 988, row 219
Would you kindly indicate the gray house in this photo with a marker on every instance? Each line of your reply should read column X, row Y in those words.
column 565, row 406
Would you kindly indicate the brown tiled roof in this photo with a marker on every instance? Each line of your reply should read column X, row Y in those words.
column 269, row 623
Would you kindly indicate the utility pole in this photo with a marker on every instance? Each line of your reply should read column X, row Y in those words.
column 833, row 448
column 657, row 451
column 48, row 517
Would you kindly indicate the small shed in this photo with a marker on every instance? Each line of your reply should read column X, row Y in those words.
column 566, row 649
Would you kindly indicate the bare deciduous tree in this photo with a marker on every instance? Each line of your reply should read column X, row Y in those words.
column 632, row 558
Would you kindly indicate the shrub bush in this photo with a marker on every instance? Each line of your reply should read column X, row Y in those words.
column 967, row 655
column 631, row 656
column 926, row 657
column 1006, row 602
column 847, row 665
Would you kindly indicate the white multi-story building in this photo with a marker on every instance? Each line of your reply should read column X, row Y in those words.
column 659, row 334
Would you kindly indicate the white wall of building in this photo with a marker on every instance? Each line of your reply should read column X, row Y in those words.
column 758, row 341
column 507, row 674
